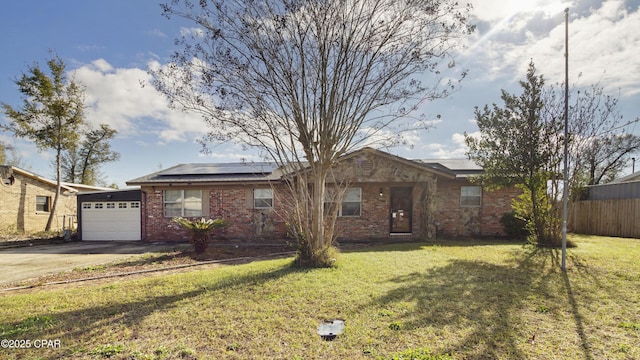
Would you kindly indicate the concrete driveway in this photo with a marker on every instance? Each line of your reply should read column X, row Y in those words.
column 21, row 263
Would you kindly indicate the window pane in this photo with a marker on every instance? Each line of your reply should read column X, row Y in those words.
column 351, row 209
column 172, row 196
column 193, row 205
column 353, row 195
column 192, row 195
column 471, row 195
column 262, row 203
column 262, row 198
column 42, row 203
column 471, row 191
column 172, row 210
column 192, row 212
column 262, row 193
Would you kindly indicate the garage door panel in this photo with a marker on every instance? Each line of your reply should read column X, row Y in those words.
column 111, row 221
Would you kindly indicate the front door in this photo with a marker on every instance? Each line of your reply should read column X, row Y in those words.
column 401, row 210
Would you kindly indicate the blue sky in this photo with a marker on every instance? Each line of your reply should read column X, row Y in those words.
column 108, row 46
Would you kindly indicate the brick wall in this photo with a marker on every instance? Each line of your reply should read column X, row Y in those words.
column 18, row 205
column 373, row 222
column 454, row 220
column 235, row 204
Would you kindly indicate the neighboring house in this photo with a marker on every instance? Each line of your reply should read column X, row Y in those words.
column 388, row 197
column 26, row 200
column 631, row 177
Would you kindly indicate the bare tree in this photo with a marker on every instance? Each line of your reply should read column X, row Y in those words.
column 601, row 142
column 307, row 81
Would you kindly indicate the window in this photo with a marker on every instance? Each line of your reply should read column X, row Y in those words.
column 350, row 203
column 471, row 196
column 98, row 206
column 86, row 205
column 43, row 203
column 135, row 205
column 111, row 205
column 122, row 205
column 262, row 198
column 187, row 203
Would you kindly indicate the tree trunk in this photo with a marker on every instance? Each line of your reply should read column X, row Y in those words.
column 52, row 213
column 537, row 222
column 317, row 226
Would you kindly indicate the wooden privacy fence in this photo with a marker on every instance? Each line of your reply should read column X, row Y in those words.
column 615, row 217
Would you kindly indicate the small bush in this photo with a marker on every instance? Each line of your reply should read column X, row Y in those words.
column 514, row 227
column 324, row 258
column 200, row 230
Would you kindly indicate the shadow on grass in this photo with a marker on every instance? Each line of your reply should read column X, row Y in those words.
column 152, row 259
column 375, row 246
column 577, row 317
column 480, row 303
column 83, row 325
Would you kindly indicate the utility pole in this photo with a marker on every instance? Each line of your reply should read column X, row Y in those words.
column 565, row 190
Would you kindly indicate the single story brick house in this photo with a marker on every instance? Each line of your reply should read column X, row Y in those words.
column 389, row 197
column 26, row 200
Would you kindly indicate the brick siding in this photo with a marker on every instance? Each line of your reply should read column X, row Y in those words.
column 234, row 203
column 454, row 220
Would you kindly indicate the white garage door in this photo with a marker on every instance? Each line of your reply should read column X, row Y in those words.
column 113, row 220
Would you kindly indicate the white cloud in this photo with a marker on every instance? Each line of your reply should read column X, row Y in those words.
column 192, row 32
column 116, row 97
column 157, row 33
column 603, row 42
column 455, row 149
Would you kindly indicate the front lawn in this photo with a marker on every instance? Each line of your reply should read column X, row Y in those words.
column 457, row 300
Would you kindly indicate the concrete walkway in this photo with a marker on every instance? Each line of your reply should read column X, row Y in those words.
column 22, row 263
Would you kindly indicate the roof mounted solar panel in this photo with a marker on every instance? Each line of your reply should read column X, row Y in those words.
column 220, row 169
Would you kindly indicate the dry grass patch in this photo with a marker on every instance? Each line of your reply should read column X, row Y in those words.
column 454, row 300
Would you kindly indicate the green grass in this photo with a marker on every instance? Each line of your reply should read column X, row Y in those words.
column 454, row 300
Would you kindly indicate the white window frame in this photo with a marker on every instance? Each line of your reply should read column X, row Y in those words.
column 470, row 196
column 183, row 201
column 353, row 191
column 263, row 198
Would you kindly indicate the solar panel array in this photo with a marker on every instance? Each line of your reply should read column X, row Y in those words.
column 220, row 169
